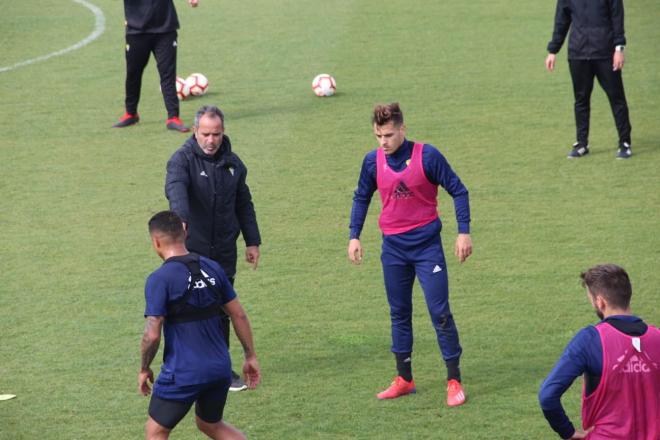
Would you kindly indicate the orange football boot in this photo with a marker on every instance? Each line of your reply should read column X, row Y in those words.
column 399, row 387
column 455, row 394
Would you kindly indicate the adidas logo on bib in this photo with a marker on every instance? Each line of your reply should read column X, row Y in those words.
column 636, row 365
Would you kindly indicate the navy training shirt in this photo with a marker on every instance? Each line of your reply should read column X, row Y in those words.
column 195, row 352
column 437, row 171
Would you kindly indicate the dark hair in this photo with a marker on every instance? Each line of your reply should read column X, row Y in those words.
column 385, row 113
column 609, row 281
column 168, row 223
column 209, row 110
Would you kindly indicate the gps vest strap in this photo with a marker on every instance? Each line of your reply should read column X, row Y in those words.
column 179, row 311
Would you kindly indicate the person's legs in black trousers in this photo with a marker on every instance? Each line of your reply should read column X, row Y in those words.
column 164, row 50
column 582, row 74
column 138, row 50
column 612, row 82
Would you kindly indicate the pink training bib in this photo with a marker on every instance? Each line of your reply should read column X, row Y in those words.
column 626, row 404
column 409, row 199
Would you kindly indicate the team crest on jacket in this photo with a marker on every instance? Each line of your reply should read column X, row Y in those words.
column 402, row 192
column 231, row 170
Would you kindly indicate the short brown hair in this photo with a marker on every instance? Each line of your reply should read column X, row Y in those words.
column 385, row 113
column 609, row 281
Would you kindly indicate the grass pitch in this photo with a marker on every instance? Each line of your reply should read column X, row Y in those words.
column 76, row 196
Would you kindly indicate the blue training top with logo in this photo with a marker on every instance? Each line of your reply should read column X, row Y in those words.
column 195, row 352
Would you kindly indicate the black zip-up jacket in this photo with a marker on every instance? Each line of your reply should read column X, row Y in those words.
column 211, row 195
column 596, row 28
column 150, row 16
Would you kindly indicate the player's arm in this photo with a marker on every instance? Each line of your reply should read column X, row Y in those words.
column 177, row 181
column 241, row 324
column 247, row 218
column 439, row 172
column 562, row 24
column 193, row 3
column 148, row 348
column 572, row 363
column 361, row 199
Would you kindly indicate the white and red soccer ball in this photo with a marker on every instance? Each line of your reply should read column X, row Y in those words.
column 324, row 85
column 197, row 83
column 182, row 89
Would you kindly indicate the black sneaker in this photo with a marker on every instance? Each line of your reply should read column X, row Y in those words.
column 625, row 151
column 126, row 120
column 579, row 150
column 237, row 383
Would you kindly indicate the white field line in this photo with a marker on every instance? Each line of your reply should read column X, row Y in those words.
column 99, row 28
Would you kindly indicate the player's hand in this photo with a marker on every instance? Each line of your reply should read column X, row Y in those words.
column 355, row 252
column 578, row 434
column 550, row 62
column 193, row 3
column 252, row 256
column 618, row 60
column 463, row 247
column 144, row 377
column 251, row 372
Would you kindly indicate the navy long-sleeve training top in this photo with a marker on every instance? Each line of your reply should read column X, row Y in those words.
column 437, row 171
column 583, row 355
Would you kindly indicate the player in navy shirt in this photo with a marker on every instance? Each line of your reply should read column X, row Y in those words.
column 184, row 298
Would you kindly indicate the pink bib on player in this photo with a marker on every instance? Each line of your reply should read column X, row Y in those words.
column 626, row 404
column 409, row 199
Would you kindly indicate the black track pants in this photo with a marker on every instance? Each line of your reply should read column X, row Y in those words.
column 583, row 73
column 138, row 49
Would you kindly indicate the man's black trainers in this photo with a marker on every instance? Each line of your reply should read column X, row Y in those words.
column 579, row 150
column 126, row 120
column 625, row 151
column 176, row 124
column 237, row 383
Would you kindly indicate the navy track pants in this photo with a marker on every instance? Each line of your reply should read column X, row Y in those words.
column 426, row 260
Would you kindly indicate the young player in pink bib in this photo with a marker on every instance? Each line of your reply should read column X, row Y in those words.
column 409, row 199
column 407, row 176
column 620, row 361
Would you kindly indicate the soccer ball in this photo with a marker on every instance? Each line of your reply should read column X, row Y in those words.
column 182, row 88
column 324, row 85
column 197, row 83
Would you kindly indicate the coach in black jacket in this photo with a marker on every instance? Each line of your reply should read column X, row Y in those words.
column 206, row 186
column 595, row 49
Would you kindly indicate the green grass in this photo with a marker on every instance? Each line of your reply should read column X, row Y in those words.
column 76, row 196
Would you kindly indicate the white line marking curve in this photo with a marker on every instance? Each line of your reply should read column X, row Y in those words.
column 99, row 28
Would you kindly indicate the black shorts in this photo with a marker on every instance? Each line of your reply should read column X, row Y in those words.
column 209, row 405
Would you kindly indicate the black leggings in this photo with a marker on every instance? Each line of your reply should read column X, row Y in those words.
column 209, row 406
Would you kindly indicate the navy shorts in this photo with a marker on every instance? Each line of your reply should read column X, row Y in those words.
column 209, row 400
